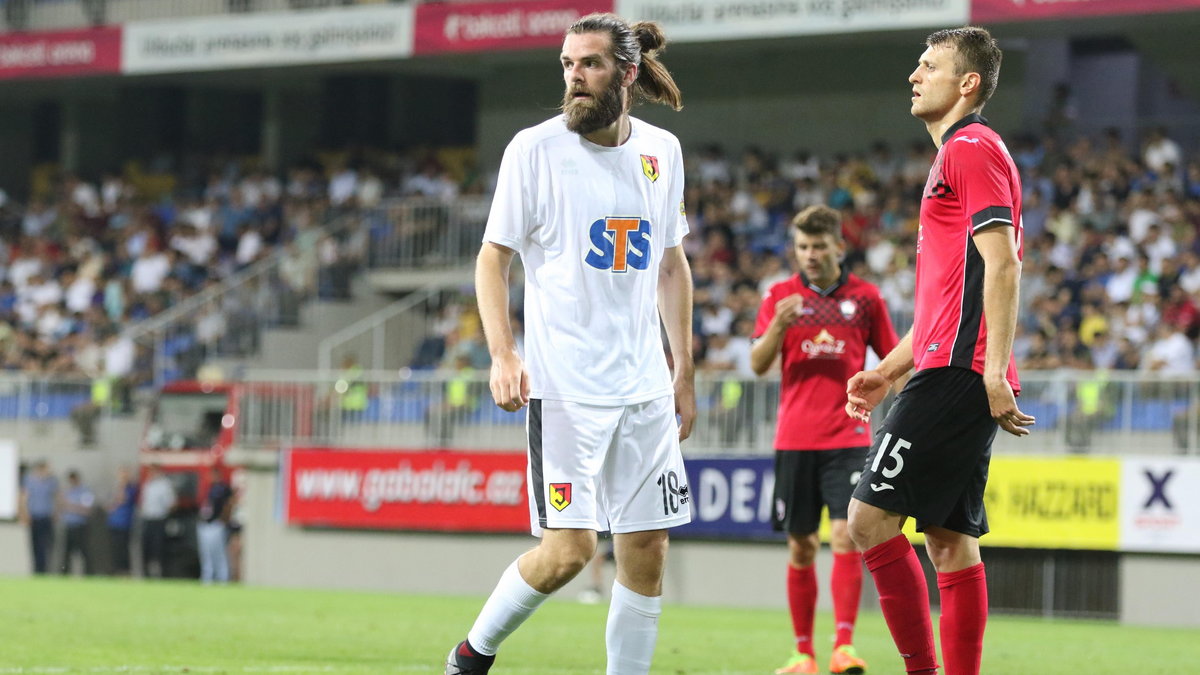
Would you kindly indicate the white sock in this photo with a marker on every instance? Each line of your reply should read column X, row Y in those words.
column 506, row 609
column 632, row 631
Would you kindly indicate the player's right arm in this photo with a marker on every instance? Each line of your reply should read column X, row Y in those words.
column 509, row 380
column 767, row 346
column 867, row 388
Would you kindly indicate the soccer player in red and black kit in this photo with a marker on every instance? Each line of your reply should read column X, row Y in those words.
column 822, row 320
column 930, row 458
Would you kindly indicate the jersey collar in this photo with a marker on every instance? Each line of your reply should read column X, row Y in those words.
column 824, row 292
column 973, row 118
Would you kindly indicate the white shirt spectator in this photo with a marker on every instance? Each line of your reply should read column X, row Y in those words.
column 716, row 319
column 1158, row 247
column 21, row 269
column 1121, row 247
column 86, row 197
column 342, row 187
column 370, row 191
column 50, row 323
column 199, row 216
column 80, row 293
column 249, row 247
column 198, row 247
column 42, row 292
column 158, row 497
column 211, row 327
column 1171, row 353
column 1162, row 151
column 118, row 357
column 37, row 218
column 148, row 271
column 1190, row 279
column 1140, row 220
column 1120, row 285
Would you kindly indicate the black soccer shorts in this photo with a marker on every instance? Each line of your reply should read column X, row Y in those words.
column 807, row 480
column 930, row 456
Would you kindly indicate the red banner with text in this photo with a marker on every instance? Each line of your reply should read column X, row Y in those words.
column 92, row 51
column 472, row 27
column 983, row 11
column 439, row 491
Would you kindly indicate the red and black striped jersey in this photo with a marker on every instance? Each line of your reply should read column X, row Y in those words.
column 972, row 185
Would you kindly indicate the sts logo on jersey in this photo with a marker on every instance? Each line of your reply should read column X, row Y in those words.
column 619, row 243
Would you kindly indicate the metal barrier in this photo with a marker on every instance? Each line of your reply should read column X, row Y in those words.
column 31, row 398
column 60, row 14
column 1078, row 412
column 427, row 233
column 391, row 338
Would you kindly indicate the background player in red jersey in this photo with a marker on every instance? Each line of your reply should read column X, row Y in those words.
column 822, row 320
column 930, row 458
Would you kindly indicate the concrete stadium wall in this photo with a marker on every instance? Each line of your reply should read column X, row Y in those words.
column 699, row 573
column 784, row 95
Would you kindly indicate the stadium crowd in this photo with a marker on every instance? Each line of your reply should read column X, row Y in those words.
column 82, row 260
column 1111, row 277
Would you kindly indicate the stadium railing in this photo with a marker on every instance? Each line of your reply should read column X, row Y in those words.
column 26, row 398
column 66, row 14
column 425, row 233
column 1077, row 411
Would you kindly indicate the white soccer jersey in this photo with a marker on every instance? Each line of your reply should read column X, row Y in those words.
column 591, row 223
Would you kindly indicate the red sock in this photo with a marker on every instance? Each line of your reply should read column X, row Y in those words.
column 802, row 600
column 846, row 582
column 964, row 616
column 904, row 599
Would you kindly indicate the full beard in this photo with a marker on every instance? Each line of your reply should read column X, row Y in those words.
column 585, row 116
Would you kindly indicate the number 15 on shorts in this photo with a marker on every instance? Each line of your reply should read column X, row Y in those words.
column 894, row 455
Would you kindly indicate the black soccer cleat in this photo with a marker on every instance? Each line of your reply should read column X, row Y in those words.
column 463, row 660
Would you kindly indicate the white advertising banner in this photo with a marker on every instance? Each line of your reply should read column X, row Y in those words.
column 9, row 489
column 704, row 20
column 1160, row 505
column 348, row 34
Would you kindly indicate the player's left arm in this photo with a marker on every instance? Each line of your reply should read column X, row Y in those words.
column 997, row 246
column 675, row 308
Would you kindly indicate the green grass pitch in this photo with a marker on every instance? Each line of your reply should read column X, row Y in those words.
column 53, row 625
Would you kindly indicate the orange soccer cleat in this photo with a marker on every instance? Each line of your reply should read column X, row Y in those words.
column 800, row 663
column 845, row 660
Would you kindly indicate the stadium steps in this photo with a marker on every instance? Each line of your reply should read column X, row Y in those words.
column 298, row 348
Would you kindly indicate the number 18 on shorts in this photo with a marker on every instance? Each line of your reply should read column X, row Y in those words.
column 614, row 468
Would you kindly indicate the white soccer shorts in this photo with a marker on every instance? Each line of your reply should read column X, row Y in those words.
column 606, row 468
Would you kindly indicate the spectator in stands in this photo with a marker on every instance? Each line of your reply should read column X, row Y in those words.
column 40, row 504
column 120, row 520
column 211, row 529
column 77, row 509
column 158, row 501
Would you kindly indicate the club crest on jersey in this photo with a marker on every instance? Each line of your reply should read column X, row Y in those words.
column 848, row 308
column 619, row 244
column 650, row 167
column 560, row 495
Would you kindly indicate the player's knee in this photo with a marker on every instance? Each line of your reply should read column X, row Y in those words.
column 803, row 549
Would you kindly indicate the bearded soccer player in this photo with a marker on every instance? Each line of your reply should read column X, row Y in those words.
column 930, row 458
column 821, row 322
column 592, row 201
